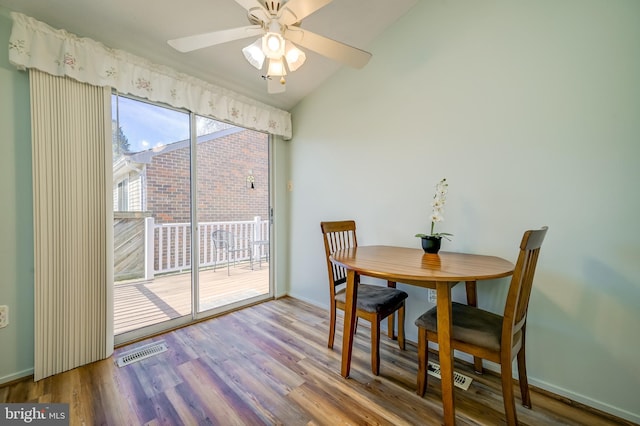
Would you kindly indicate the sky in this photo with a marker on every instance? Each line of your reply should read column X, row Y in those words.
column 147, row 126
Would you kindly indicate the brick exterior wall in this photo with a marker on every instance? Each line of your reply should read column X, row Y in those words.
column 223, row 166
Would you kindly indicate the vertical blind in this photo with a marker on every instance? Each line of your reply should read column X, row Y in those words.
column 70, row 125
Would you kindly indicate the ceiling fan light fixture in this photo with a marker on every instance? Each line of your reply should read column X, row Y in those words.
column 294, row 56
column 276, row 68
column 254, row 54
column 273, row 45
column 271, row 21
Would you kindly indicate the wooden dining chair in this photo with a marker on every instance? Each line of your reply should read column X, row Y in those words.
column 374, row 303
column 497, row 338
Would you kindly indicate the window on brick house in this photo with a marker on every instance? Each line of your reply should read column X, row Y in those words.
column 123, row 195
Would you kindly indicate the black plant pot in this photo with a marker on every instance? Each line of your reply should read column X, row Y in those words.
column 431, row 244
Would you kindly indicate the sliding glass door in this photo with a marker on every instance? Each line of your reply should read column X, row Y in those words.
column 151, row 199
column 165, row 221
column 233, row 214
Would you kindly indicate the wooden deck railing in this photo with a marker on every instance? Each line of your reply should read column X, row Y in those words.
column 167, row 246
column 172, row 242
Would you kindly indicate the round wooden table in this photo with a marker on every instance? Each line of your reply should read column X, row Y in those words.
column 412, row 266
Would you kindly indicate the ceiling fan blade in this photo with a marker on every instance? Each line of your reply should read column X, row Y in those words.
column 188, row 44
column 332, row 49
column 256, row 8
column 296, row 10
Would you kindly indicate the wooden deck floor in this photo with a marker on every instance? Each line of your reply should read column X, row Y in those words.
column 143, row 303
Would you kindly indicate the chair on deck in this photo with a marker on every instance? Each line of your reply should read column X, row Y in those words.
column 498, row 338
column 374, row 303
column 227, row 242
column 261, row 246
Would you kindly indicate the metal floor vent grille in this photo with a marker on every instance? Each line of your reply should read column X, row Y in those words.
column 141, row 353
column 459, row 380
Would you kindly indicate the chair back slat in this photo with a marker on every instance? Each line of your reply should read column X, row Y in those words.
column 337, row 235
column 515, row 312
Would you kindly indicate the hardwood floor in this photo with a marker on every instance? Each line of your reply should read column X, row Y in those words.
column 269, row 364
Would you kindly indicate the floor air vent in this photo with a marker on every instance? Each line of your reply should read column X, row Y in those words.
column 459, row 380
column 141, row 353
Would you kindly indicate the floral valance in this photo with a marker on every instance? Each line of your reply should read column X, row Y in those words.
column 34, row 44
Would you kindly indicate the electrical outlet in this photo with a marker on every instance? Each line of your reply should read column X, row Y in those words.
column 4, row 316
column 432, row 295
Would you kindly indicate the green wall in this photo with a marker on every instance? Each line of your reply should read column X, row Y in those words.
column 531, row 110
column 16, row 215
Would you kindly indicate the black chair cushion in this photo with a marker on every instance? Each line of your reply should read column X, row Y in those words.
column 372, row 298
column 470, row 325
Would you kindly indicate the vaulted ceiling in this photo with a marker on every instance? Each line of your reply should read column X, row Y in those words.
column 142, row 27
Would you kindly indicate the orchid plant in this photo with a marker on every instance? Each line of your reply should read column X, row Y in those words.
column 437, row 205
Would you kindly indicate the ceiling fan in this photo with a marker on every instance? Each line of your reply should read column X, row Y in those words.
column 278, row 25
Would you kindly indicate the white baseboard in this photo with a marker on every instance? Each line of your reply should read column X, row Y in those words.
column 556, row 390
column 590, row 402
column 309, row 301
column 16, row 376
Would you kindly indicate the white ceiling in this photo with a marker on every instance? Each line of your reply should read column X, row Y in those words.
column 142, row 27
